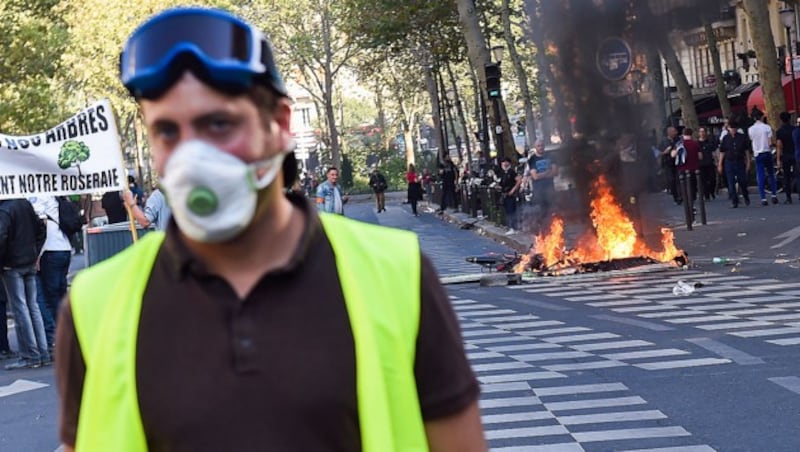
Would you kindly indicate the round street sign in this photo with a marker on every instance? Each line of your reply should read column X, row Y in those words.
column 614, row 58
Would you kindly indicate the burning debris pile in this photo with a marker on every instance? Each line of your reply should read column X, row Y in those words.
column 612, row 244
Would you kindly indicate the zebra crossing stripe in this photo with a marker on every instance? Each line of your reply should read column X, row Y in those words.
column 706, row 318
column 767, row 299
column 525, row 376
column 732, row 325
column 661, row 315
column 622, row 416
column 762, row 333
column 661, row 365
column 526, row 432
column 610, row 345
column 580, row 338
column 605, row 364
column 724, row 307
column 487, row 313
column 677, row 449
column 630, row 433
column 608, row 304
column 474, row 307
column 522, row 347
column 594, row 403
column 484, row 355
column 778, row 317
column 646, row 308
column 740, row 293
column 593, row 297
column 578, row 389
column 645, row 354
column 644, row 290
column 480, row 368
column 572, row 329
column 498, row 340
column 508, row 318
column 726, row 351
column 750, row 312
column 693, row 300
column 461, row 301
column 489, row 419
column 790, row 383
column 787, row 341
column 776, row 286
column 561, row 447
column 785, row 305
column 481, row 333
column 505, row 387
column 508, row 402
column 551, row 356
column 515, row 326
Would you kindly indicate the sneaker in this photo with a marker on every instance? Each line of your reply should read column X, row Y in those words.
column 788, row 201
column 6, row 354
column 774, row 200
column 764, row 202
column 510, row 231
column 22, row 363
column 46, row 362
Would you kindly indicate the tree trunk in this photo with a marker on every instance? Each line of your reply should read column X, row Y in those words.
column 433, row 94
column 688, row 111
column 522, row 76
column 460, row 110
column 719, row 87
column 657, row 87
column 330, row 113
column 768, row 71
column 479, row 58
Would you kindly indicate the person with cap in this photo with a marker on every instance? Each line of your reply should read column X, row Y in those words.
column 253, row 322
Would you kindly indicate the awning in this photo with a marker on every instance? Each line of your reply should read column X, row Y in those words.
column 743, row 89
column 756, row 98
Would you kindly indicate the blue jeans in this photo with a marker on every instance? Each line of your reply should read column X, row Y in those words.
column 736, row 172
column 53, row 269
column 4, row 347
column 21, row 290
column 764, row 163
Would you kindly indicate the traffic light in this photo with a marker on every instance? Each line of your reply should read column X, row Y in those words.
column 492, row 79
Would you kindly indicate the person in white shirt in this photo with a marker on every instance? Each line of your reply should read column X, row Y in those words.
column 761, row 138
column 53, row 264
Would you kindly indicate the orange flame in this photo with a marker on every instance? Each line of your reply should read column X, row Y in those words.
column 614, row 236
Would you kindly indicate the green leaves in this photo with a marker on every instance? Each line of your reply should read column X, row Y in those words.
column 73, row 152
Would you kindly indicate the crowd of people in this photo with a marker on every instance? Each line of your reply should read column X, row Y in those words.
column 726, row 161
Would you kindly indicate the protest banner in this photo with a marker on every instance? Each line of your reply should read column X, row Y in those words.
column 81, row 155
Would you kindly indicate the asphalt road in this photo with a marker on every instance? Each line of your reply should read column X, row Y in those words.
column 600, row 363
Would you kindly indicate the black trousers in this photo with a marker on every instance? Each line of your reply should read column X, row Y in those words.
column 709, row 176
column 789, row 168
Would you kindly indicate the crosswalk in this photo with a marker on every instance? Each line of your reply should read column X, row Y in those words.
column 530, row 400
column 737, row 305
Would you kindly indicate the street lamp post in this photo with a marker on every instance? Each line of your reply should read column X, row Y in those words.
column 788, row 19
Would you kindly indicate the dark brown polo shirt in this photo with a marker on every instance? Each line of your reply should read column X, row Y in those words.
column 274, row 371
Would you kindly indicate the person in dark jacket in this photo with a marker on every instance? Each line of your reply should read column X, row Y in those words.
column 114, row 207
column 22, row 235
column 378, row 184
column 734, row 158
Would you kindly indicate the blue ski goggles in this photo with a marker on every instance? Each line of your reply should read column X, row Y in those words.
column 218, row 47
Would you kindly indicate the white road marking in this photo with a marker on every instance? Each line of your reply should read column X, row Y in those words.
column 20, row 386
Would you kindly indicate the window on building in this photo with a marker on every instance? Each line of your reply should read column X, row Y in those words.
column 305, row 116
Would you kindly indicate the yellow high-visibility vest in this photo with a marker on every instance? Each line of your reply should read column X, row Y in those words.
column 379, row 270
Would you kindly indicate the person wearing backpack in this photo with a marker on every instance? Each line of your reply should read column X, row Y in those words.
column 55, row 257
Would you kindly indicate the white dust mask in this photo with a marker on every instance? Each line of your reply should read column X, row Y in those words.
column 213, row 195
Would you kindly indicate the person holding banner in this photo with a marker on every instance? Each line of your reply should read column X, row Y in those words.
column 156, row 211
column 254, row 322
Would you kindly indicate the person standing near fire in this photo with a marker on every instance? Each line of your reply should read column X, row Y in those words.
column 708, row 157
column 670, row 171
column 543, row 171
column 761, row 141
column 734, row 160
column 510, row 182
column 786, row 160
column 687, row 157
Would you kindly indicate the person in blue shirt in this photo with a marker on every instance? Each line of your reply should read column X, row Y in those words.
column 329, row 194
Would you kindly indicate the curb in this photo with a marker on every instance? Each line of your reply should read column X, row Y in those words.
column 519, row 242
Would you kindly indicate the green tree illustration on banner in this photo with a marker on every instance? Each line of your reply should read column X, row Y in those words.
column 72, row 154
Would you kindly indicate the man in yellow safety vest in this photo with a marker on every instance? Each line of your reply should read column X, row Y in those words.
column 252, row 322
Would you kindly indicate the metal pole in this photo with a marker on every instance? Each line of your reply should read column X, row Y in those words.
column 701, row 196
column 791, row 66
column 445, row 150
column 683, row 181
column 501, row 151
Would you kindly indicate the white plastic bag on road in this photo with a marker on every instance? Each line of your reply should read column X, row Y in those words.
column 683, row 288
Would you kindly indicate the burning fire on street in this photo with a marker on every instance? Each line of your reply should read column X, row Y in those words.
column 612, row 244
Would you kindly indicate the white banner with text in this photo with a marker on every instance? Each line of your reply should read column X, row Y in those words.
column 80, row 155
